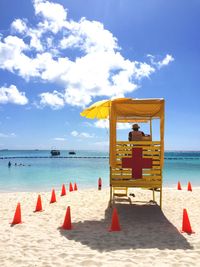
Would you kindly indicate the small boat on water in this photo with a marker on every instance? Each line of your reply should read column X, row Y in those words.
column 72, row 152
column 55, row 152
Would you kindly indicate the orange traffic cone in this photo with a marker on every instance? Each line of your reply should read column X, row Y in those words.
column 63, row 192
column 75, row 187
column 186, row 227
column 39, row 204
column 17, row 216
column 67, row 225
column 53, row 196
column 70, row 187
column 115, row 222
column 189, row 187
column 179, row 186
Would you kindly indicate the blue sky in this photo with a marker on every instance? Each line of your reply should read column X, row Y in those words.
column 57, row 57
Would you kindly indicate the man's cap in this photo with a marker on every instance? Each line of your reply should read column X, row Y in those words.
column 135, row 126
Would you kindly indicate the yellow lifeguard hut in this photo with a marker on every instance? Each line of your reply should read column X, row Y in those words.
column 133, row 163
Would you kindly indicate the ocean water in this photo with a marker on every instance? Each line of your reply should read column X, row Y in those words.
column 45, row 172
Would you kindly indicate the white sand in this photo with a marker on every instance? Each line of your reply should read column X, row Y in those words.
column 149, row 237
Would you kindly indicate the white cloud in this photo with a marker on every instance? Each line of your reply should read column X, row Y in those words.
column 144, row 70
column 35, row 41
column 77, row 97
column 90, row 36
column 81, row 135
column 11, row 53
column 104, row 124
column 86, row 135
column 162, row 63
column 50, row 11
column 88, row 124
column 166, row 61
column 19, row 26
column 123, row 126
column 54, row 100
column 59, row 139
column 70, row 41
column 12, row 95
column 111, row 77
column 13, row 58
column 53, row 14
column 74, row 133
column 99, row 70
column 10, row 135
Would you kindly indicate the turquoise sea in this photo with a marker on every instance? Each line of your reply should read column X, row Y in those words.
column 38, row 171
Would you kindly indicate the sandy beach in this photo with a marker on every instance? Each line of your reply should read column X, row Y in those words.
column 149, row 236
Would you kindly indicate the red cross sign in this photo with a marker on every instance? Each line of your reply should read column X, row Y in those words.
column 136, row 163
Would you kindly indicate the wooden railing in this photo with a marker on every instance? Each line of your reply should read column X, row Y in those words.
column 150, row 177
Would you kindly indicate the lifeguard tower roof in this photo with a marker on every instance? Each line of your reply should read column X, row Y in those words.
column 127, row 108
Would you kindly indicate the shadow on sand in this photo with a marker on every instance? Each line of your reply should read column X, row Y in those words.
column 143, row 227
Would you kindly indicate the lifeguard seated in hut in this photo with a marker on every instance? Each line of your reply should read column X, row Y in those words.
column 137, row 135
